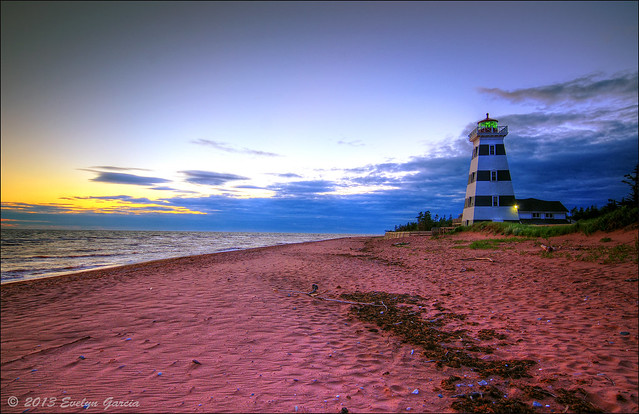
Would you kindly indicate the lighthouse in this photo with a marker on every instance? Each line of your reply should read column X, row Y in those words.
column 489, row 193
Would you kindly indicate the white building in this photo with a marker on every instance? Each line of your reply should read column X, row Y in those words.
column 489, row 193
column 534, row 211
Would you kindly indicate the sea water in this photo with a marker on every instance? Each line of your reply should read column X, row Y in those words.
column 30, row 254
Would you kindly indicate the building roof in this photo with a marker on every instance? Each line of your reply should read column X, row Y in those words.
column 488, row 119
column 533, row 204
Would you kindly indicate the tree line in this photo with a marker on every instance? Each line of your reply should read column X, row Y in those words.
column 631, row 201
column 425, row 222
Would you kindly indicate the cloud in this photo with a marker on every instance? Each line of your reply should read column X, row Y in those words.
column 123, row 178
column 223, row 146
column 302, row 188
column 353, row 143
column 286, row 175
column 591, row 87
column 210, row 178
column 112, row 168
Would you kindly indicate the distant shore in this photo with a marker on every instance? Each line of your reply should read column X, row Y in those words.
column 238, row 332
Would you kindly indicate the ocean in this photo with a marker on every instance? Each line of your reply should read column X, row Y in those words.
column 32, row 254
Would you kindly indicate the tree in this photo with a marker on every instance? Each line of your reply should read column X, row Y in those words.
column 632, row 182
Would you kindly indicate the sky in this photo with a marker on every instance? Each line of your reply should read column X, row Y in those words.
column 333, row 117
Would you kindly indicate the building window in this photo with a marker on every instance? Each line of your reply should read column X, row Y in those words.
column 536, row 215
column 503, row 175
column 495, row 201
column 492, row 150
column 475, row 152
column 506, row 201
column 549, row 215
column 493, row 176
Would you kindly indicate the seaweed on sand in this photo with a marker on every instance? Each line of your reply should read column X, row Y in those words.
column 407, row 323
column 576, row 402
column 489, row 400
column 401, row 315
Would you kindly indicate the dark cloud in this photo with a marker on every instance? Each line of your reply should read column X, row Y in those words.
column 123, row 178
column 584, row 89
column 210, row 178
column 223, row 146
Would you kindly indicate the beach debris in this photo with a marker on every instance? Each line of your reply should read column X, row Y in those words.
column 601, row 374
column 632, row 279
column 314, row 288
column 401, row 244
column 81, row 357
column 537, row 404
column 195, row 361
column 344, row 410
column 575, row 400
column 624, row 333
column 482, row 382
column 415, row 391
column 478, row 258
column 548, row 249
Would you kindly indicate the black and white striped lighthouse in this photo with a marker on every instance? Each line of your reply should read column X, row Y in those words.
column 489, row 193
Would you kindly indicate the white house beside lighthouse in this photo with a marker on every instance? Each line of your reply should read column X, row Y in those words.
column 489, row 193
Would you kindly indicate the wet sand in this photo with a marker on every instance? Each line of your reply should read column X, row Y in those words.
column 236, row 331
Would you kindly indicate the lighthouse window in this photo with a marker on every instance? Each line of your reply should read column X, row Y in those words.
column 503, row 175
column 495, row 201
column 483, row 150
column 506, row 200
column 500, row 149
column 493, row 176
column 492, row 150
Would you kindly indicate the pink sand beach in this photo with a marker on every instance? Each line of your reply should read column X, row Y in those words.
column 237, row 331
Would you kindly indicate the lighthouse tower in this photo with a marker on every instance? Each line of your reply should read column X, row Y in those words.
column 489, row 193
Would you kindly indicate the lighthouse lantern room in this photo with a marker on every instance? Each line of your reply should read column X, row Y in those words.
column 489, row 193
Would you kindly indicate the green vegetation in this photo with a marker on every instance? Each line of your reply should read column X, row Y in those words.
column 607, row 255
column 425, row 222
column 618, row 218
column 493, row 243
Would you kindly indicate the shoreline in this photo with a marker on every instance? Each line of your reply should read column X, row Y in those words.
column 143, row 261
column 236, row 331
